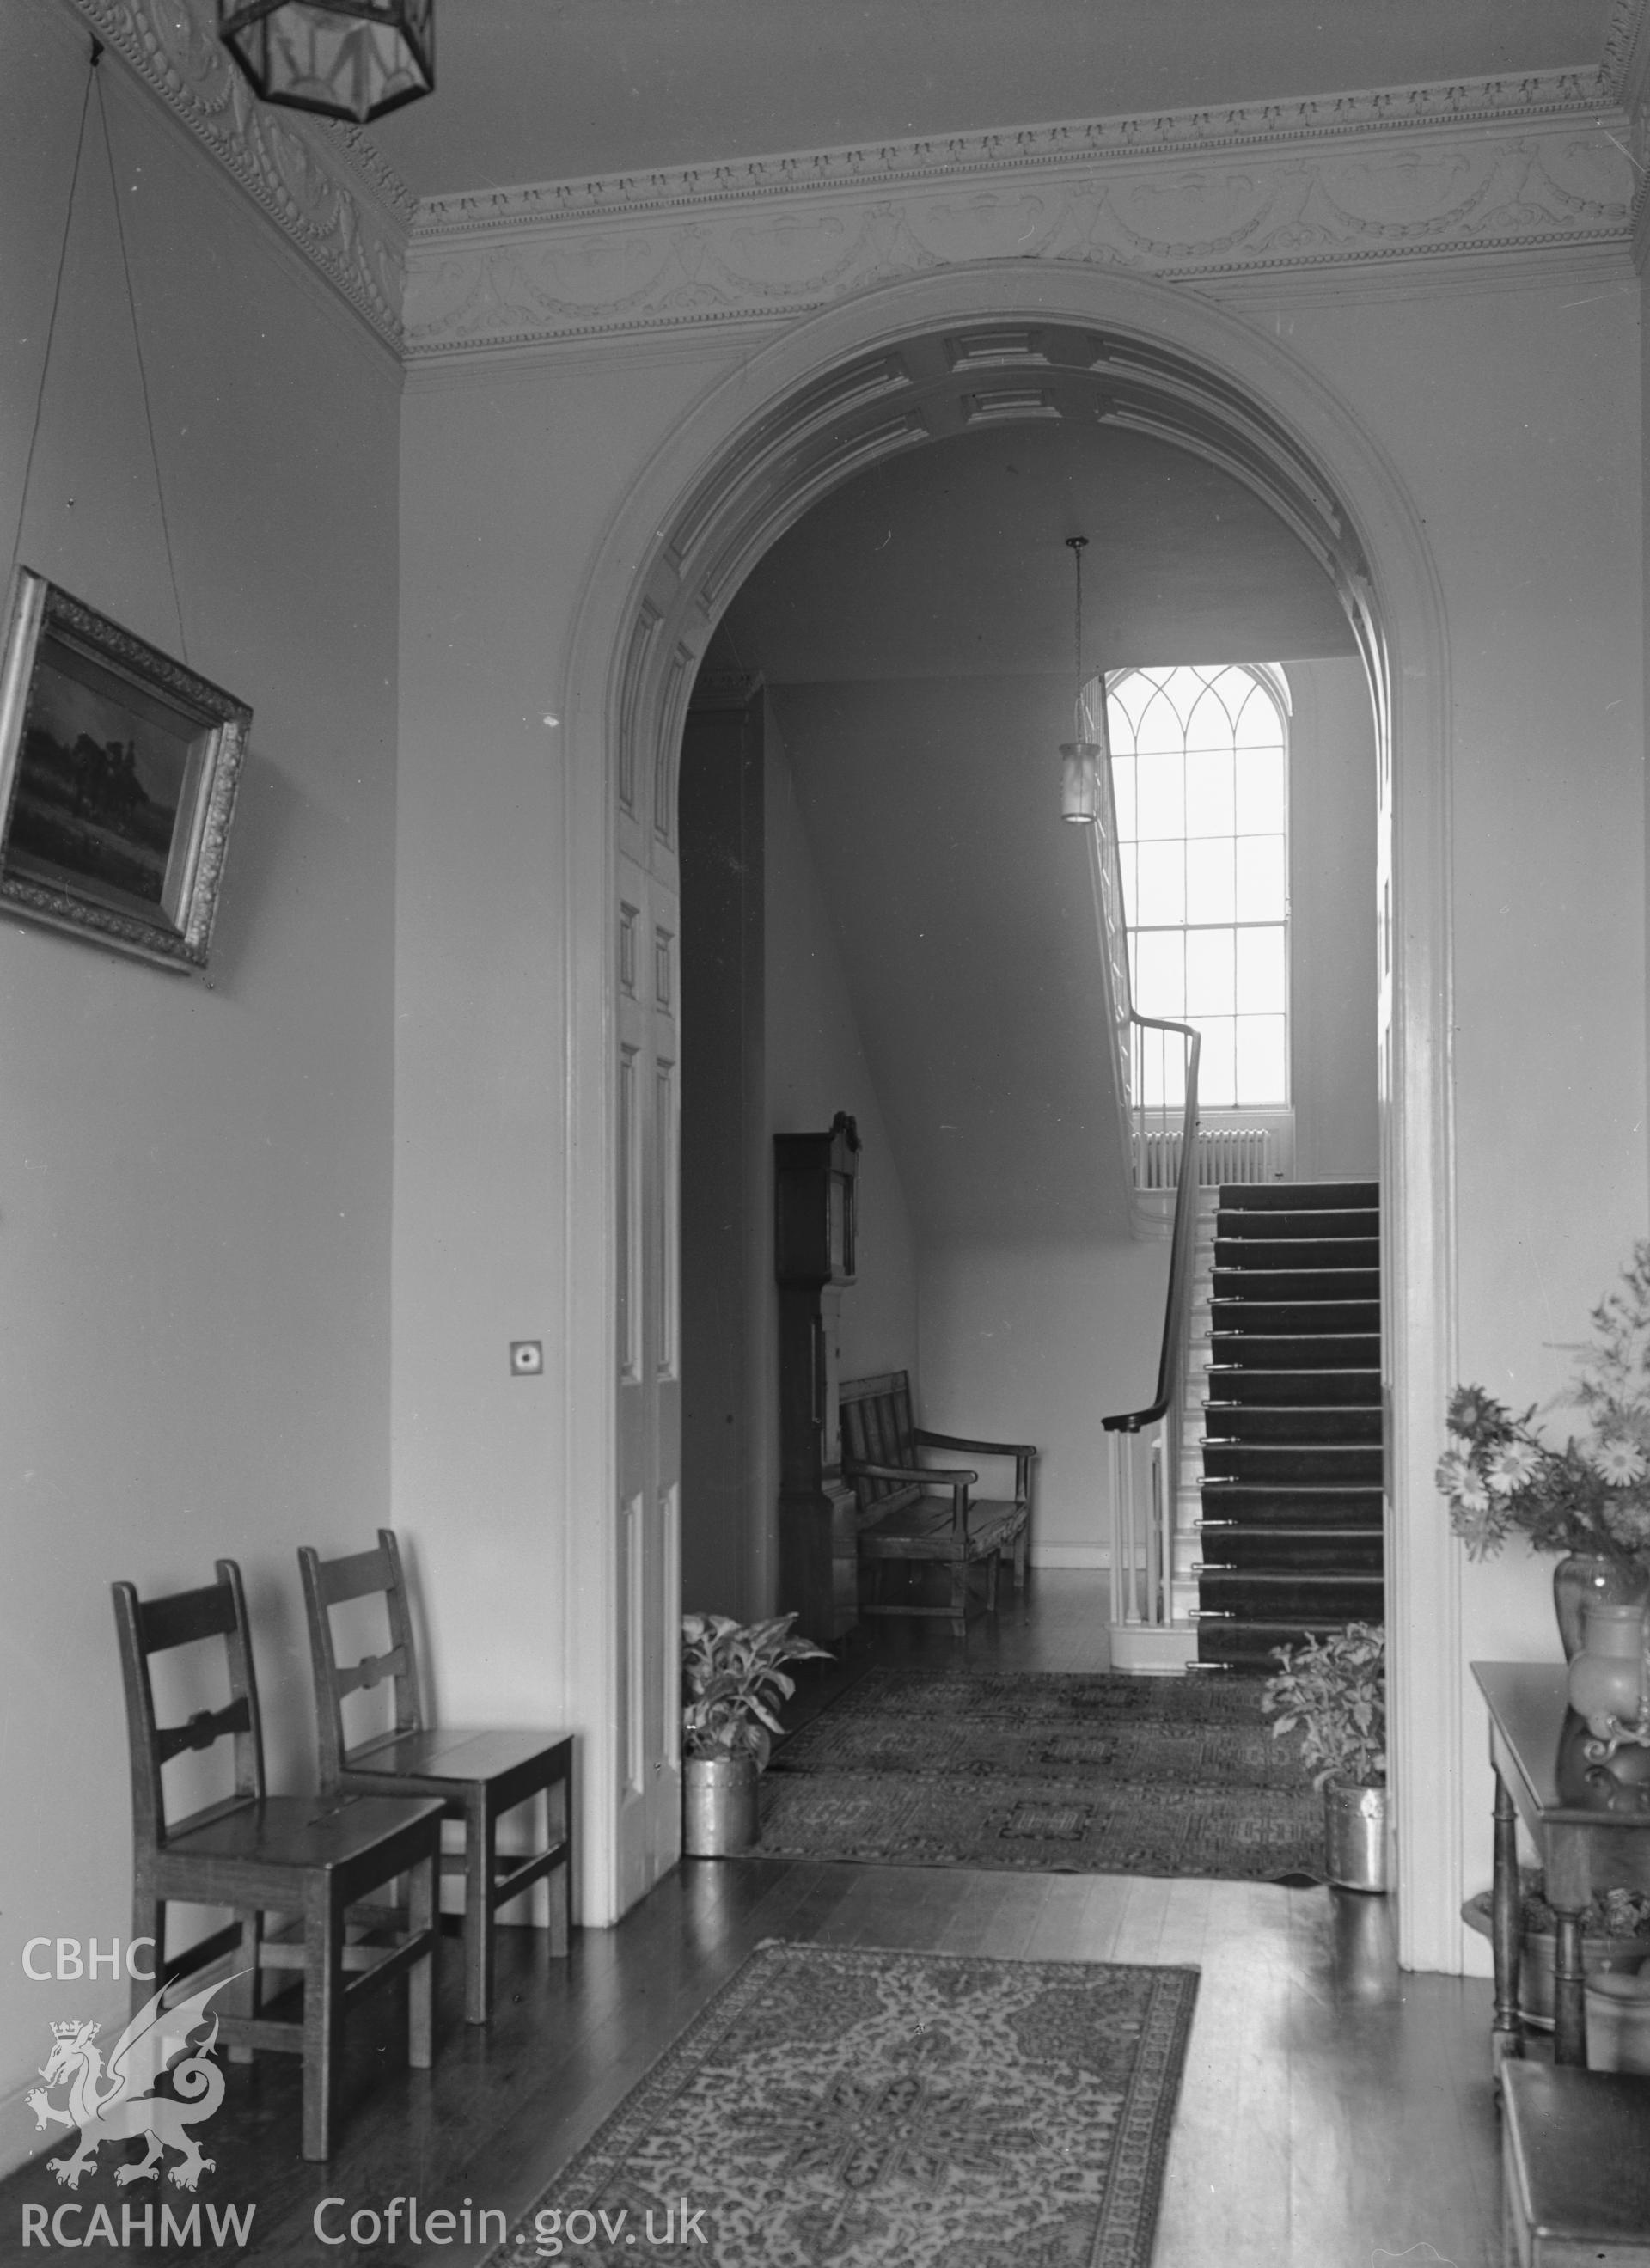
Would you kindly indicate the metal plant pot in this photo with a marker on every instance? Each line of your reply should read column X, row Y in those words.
column 1355, row 1837
column 718, row 1806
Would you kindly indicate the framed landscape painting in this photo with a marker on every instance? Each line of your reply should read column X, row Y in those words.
column 118, row 771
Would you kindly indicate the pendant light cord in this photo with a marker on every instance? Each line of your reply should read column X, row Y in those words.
column 143, row 373
column 1078, row 545
column 58, row 294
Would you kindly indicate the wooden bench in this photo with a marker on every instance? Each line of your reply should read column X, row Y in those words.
column 915, row 1513
column 1576, row 2160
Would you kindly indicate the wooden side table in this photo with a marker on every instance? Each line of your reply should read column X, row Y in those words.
column 1575, row 2159
column 1590, row 1824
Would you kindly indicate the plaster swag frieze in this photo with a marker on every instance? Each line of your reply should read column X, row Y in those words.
column 531, row 267
column 328, row 191
column 1543, row 163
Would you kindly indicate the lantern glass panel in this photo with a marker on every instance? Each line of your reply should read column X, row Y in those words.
column 350, row 59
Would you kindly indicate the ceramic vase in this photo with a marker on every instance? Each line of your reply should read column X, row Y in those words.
column 1607, row 1676
column 1581, row 1576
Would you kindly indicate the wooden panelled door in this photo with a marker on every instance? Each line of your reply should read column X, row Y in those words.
column 647, row 1579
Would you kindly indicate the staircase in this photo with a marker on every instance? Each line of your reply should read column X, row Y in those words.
column 1292, row 1531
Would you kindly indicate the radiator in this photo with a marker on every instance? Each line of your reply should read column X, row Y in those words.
column 1225, row 1154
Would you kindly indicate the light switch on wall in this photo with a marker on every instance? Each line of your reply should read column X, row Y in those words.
column 527, row 1357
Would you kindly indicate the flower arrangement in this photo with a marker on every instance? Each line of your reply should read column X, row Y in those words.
column 1334, row 1688
column 733, row 1682
column 1615, row 1912
column 1501, row 1478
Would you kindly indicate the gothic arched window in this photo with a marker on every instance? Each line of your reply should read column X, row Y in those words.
column 1200, row 770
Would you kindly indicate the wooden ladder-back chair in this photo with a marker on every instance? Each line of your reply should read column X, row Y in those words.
column 921, row 1514
column 312, row 1859
column 478, row 1776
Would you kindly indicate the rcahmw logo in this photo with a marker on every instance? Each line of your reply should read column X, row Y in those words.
column 117, row 2102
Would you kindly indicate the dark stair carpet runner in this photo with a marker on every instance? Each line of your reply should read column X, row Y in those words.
column 1292, row 1460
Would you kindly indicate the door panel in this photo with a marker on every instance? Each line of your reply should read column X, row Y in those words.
column 647, row 1590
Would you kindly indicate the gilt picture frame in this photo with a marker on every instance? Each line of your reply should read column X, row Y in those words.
column 118, row 772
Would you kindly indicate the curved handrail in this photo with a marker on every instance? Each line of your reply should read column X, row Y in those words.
column 1177, row 1307
column 1108, row 872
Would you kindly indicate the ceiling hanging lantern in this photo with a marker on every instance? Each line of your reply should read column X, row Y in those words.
column 349, row 59
column 1080, row 758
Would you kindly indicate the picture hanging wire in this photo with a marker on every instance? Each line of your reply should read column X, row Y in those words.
column 142, row 372
column 94, row 81
column 57, row 293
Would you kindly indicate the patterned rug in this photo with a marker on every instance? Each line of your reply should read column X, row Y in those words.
column 1041, row 1770
column 840, row 2107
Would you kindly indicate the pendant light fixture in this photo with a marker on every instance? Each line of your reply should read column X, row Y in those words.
column 1080, row 757
column 349, row 59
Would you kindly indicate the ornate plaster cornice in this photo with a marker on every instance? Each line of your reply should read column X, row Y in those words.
column 1537, row 98
column 328, row 191
column 1625, row 32
column 1354, row 183
column 1541, row 164
column 1627, row 56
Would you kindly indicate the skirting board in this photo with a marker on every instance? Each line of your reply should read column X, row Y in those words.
column 1138, row 1651
column 1070, row 1555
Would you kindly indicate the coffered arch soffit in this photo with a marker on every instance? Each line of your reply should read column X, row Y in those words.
column 968, row 375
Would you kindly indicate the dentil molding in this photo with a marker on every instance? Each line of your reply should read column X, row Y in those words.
column 326, row 188
column 1172, row 201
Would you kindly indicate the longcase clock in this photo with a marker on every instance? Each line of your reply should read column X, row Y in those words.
column 814, row 1232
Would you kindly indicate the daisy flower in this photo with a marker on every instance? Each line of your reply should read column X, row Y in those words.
column 1470, row 1407
column 1511, row 1466
column 1460, row 1480
column 1618, row 1462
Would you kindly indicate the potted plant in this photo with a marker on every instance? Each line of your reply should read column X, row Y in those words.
column 1590, row 1499
column 733, row 1683
column 1614, row 1938
column 1335, row 1689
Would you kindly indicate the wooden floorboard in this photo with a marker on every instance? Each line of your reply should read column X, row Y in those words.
column 1334, row 2113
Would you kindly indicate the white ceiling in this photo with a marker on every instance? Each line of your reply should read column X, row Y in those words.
column 553, row 89
column 951, row 561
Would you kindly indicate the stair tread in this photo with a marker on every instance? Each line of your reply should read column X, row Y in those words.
column 1251, row 1454
column 1241, row 1530
column 1292, row 1488
column 1324, row 1311
column 1310, row 1191
column 1349, row 1378
column 1315, row 1578
column 1300, row 1409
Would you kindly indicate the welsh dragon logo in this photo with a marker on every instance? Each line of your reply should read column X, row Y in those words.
column 117, row 2102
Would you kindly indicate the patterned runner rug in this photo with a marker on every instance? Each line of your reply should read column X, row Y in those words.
column 841, row 2108
column 1042, row 1769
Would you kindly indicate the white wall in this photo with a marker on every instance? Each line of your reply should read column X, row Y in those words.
column 1333, row 1046
column 973, row 956
column 194, row 1177
column 1039, row 1343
